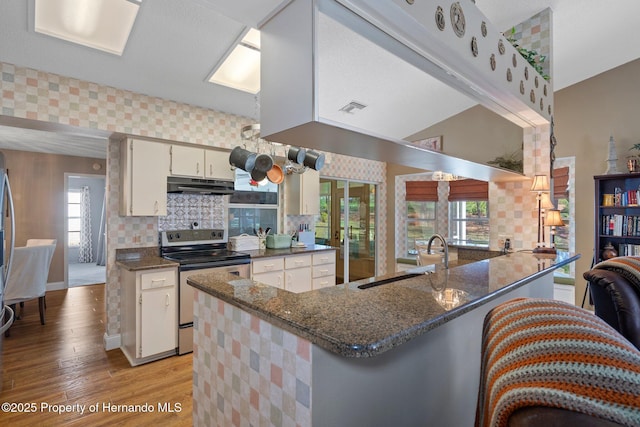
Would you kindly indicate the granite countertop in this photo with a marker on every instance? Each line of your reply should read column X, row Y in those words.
column 264, row 253
column 355, row 322
column 135, row 259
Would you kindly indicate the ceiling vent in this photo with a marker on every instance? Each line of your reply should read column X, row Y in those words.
column 353, row 105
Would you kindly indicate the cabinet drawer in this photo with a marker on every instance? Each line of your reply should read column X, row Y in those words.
column 268, row 264
column 328, row 257
column 297, row 261
column 324, row 270
column 323, row 282
column 157, row 279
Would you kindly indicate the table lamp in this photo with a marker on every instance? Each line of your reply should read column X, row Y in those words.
column 553, row 220
column 540, row 185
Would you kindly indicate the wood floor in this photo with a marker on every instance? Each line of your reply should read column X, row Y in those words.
column 64, row 363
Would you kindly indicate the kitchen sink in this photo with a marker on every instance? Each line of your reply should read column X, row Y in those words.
column 389, row 280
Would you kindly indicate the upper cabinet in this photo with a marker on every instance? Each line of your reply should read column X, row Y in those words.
column 187, row 161
column 196, row 162
column 217, row 165
column 144, row 168
column 302, row 193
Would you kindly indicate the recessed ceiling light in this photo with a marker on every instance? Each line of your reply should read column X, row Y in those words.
column 99, row 24
column 240, row 69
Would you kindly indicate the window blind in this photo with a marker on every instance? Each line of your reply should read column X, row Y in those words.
column 561, row 183
column 422, row 191
column 468, row 189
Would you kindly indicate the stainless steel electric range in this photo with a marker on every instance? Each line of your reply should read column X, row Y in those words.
column 198, row 251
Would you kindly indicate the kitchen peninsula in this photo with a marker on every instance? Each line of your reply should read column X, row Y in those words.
column 353, row 354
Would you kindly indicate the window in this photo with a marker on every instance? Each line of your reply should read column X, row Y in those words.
column 469, row 222
column 249, row 219
column 421, row 199
column 469, row 212
column 421, row 223
column 73, row 218
column 252, row 207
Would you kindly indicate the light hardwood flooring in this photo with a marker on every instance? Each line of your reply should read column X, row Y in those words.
column 64, row 363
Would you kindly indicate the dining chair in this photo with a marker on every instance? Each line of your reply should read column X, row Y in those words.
column 29, row 273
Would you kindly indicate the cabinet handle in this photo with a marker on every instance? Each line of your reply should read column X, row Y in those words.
column 268, row 266
column 158, row 280
column 197, row 167
column 324, row 271
column 299, row 262
column 325, row 259
column 167, row 301
column 211, row 169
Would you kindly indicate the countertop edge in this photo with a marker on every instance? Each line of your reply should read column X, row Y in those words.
column 391, row 341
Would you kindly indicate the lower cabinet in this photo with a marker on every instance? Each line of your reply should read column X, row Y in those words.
column 149, row 310
column 324, row 269
column 296, row 273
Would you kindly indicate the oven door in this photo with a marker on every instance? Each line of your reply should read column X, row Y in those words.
column 185, row 315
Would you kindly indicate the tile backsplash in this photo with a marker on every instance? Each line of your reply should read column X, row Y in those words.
column 183, row 210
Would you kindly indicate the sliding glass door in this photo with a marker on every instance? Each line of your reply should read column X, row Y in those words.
column 348, row 222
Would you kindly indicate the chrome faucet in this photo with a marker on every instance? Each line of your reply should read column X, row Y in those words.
column 444, row 245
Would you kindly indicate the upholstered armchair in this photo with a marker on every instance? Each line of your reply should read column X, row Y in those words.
column 29, row 273
column 614, row 286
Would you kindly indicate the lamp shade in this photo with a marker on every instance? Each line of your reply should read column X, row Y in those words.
column 553, row 218
column 540, row 183
column 545, row 202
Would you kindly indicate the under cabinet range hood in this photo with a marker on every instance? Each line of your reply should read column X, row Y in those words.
column 355, row 77
column 199, row 186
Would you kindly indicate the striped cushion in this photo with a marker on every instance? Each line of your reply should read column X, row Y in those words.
column 539, row 352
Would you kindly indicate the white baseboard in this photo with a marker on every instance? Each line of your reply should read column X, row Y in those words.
column 55, row 286
column 111, row 342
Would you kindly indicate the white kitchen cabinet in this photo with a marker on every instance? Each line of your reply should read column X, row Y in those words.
column 297, row 273
column 149, row 310
column 291, row 272
column 144, row 166
column 269, row 271
column 302, row 193
column 217, row 165
column 198, row 162
column 187, row 161
column 323, row 270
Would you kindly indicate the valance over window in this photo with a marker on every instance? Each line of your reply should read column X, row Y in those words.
column 468, row 189
column 422, row 191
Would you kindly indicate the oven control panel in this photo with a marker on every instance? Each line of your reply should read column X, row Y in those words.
column 190, row 236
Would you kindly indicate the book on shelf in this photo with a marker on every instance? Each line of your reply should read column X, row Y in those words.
column 628, row 249
column 622, row 198
column 620, row 225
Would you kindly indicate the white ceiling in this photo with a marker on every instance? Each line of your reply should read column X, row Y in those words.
column 175, row 45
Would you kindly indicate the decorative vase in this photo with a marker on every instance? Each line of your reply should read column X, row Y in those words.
column 609, row 251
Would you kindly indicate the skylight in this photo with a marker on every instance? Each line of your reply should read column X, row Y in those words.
column 241, row 68
column 98, row 24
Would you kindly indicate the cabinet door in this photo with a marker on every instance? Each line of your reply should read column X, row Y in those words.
column 187, row 161
column 144, row 178
column 158, row 323
column 217, row 165
column 303, row 193
column 297, row 279
column 274, row 278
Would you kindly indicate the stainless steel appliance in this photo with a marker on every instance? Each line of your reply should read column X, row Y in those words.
column 6, row 252
column 198, row 251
